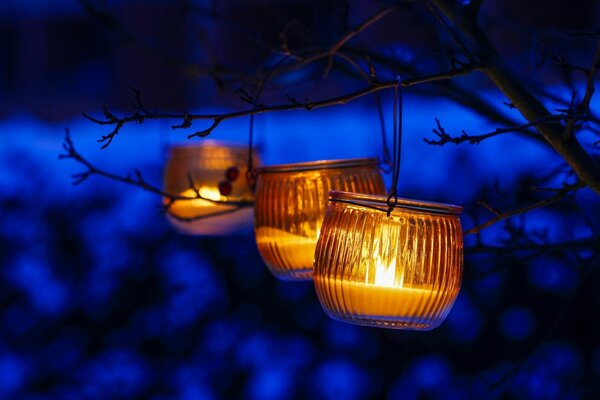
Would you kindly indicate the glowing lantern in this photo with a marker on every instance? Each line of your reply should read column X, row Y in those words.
column 403, row 271
column 290, row 204
column 209, row 164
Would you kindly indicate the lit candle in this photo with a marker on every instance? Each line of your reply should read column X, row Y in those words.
column 288, row 249
column 291, row 200
column 208, row 217
column 208, row 165
column 381, row 301
column 200, row 207
column 385, row 297
column 401, row 271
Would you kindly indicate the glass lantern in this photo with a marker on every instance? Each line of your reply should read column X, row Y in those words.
column 290, row 203
column 403, row 271
column 209, row 163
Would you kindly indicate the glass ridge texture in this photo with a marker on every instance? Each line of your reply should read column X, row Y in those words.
column 401, row 272
column 207, row 162
column 291, row 201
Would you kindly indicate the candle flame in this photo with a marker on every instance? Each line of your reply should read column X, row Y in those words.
column 206, row 192
column 385, row 274
column 210, row 193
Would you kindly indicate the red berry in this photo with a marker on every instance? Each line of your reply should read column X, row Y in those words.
column 232, row 173
column 225, row 188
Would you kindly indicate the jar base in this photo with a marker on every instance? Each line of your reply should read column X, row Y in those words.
column 383, row 322
column 293, row 275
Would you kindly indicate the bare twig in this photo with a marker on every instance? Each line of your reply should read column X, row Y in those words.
column 523, row 252
column 328, row 54
column 138, row 181
column 453, row 32
column 557, row 196
column 444, row 137
column 187, row 118
column 563, row 64
column 387, row 159
column 370, row 21
column 488, row 207
column 588, row 242
column 584, row 106
column 494, row 66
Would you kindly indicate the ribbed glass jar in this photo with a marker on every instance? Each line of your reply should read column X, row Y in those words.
column 290, row 204
column 206, row 162
column 403, row 271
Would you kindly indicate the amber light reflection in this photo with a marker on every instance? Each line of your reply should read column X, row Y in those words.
column 402, row 271
column 290, row 204
column 206, row 164
column 197, row 207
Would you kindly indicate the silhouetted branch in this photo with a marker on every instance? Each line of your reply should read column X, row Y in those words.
column 494, row 66
column 451, row 28
column 187, row 118
column 138, row 181
column 329, row 53
column 500, row 216
column 444, row 137
column 584, row 106
column 465, row 95
column 334, row 49
column 588, row 242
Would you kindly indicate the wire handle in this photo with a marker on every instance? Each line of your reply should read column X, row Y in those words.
column 392, row 199
column 251, row 172
column 386, row 159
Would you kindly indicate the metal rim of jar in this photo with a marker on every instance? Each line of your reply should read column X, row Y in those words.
column 321, row 164
column 380, row 202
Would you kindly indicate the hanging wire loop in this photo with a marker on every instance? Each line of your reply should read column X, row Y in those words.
column 392, row 199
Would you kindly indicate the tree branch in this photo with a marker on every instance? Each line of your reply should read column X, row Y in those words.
column 584, row 106
column 187, row 118
column 463, row 95
column 358, row 30
column 500, row 216
column 330, row 53
column 476, row 139
column 138, row 181
column 591, row 242
column 586, row 168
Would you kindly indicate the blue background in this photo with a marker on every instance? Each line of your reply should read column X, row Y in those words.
column 100, row 298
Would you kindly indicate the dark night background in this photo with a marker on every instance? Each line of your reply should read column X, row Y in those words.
column 100, row 298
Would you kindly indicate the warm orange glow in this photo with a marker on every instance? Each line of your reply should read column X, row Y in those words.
column 211, row 193
column 290, row 249
column 290, row 203
column 199, row 207
column 383, row 304
column 402, row 271
column 206, row 163
column 385, row 275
